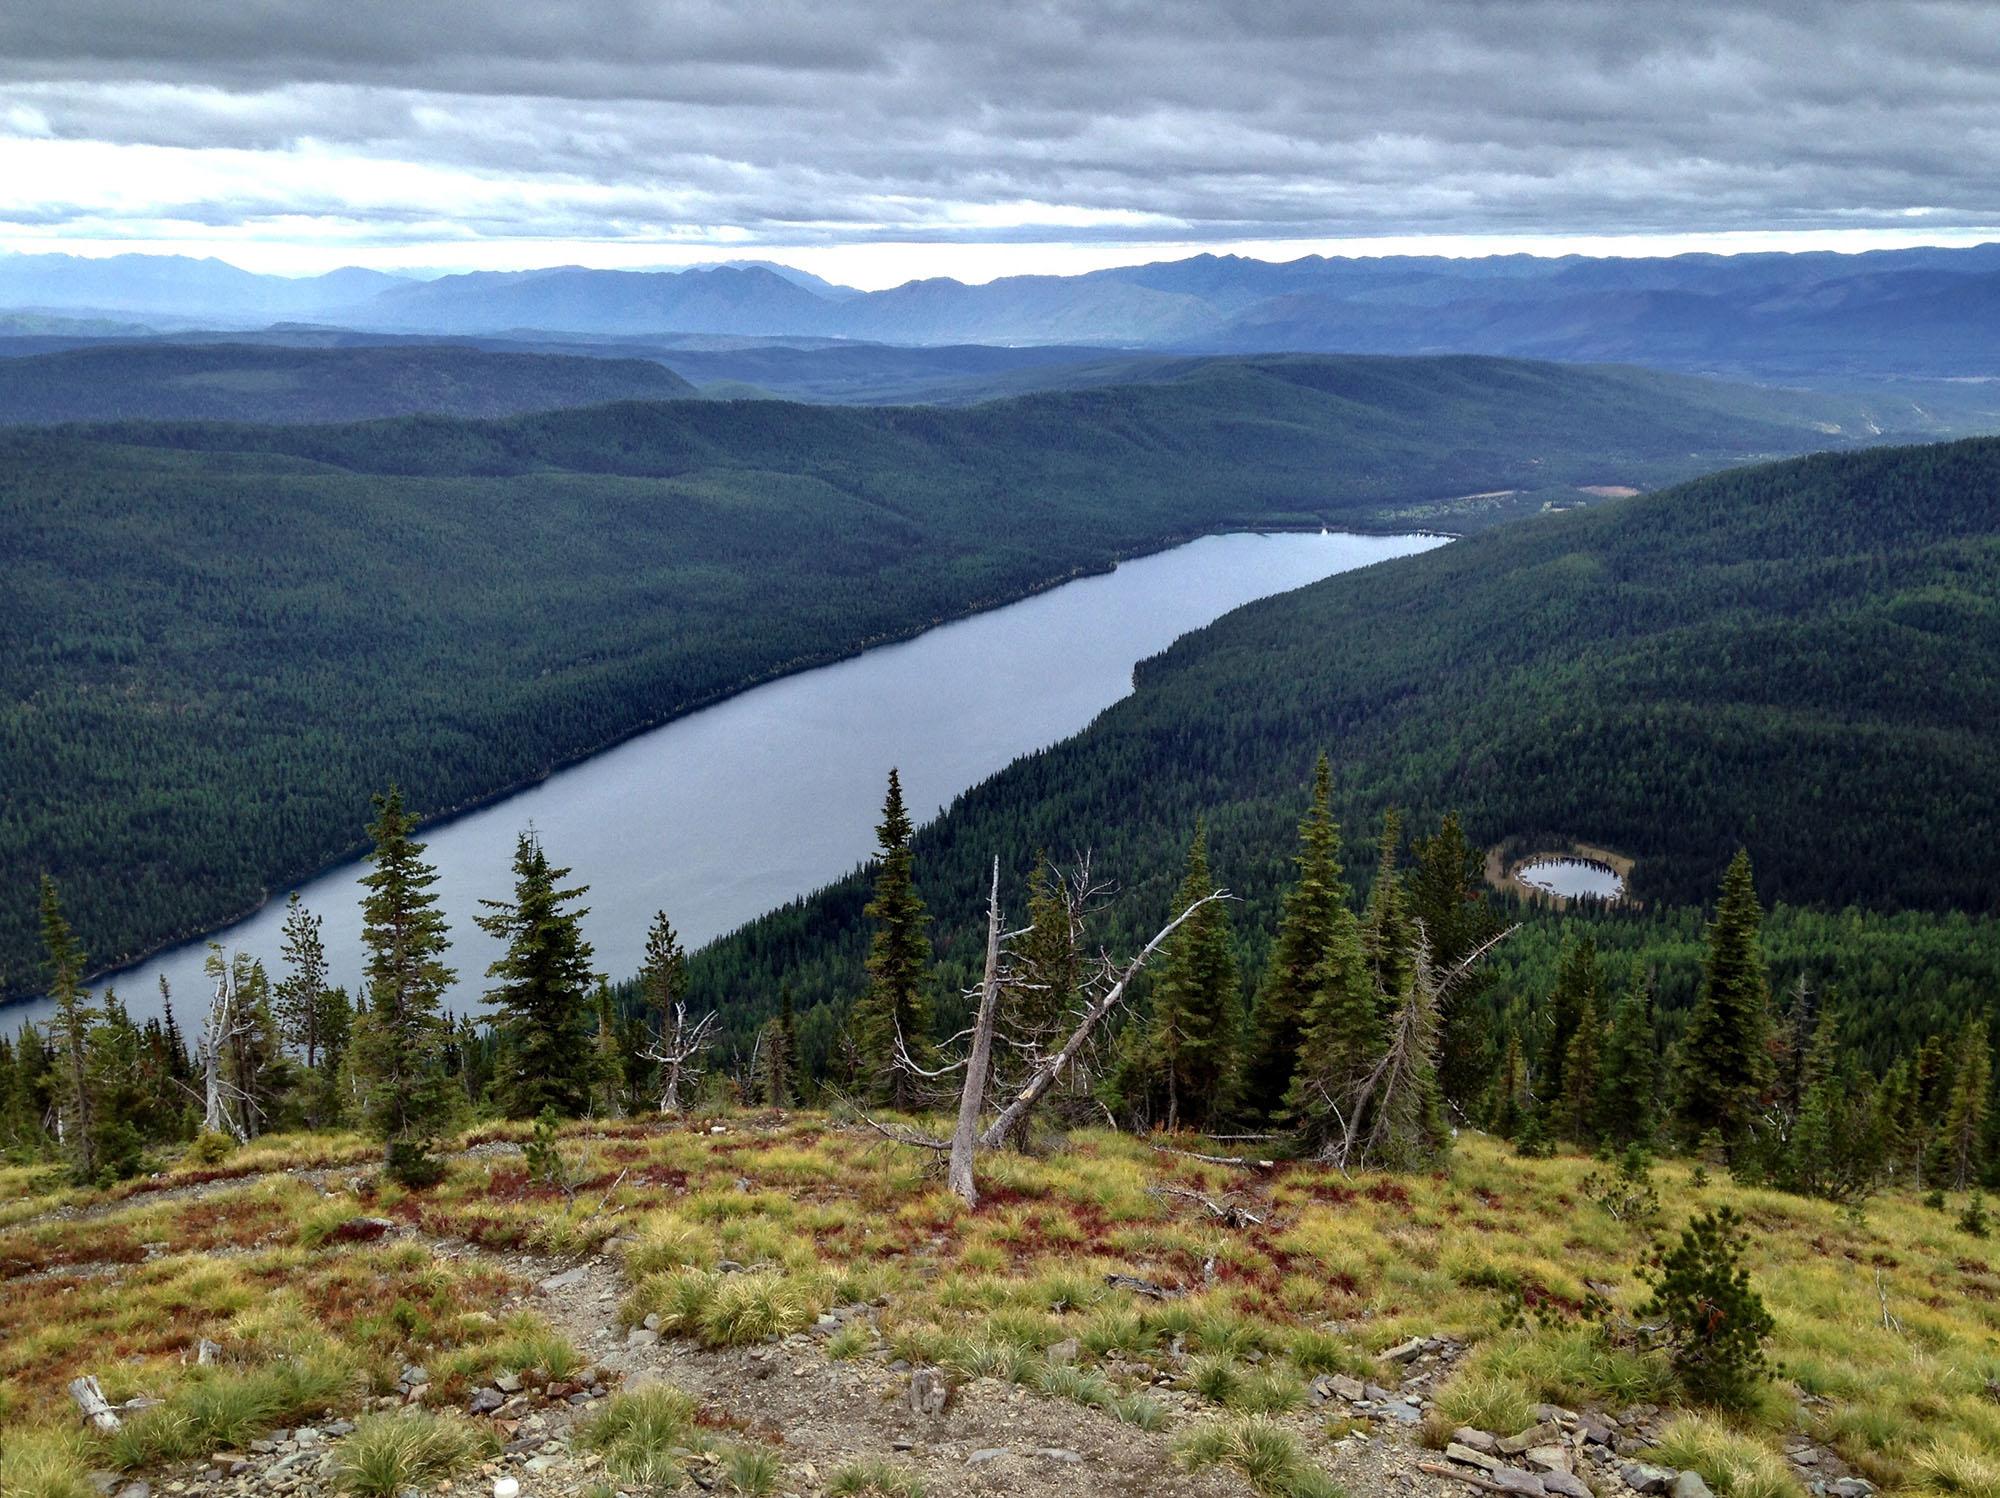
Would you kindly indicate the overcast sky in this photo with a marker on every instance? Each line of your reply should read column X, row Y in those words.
column 874, row 140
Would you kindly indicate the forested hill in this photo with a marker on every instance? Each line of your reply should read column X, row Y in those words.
column 1803, row 658
column 223, row 638
column 236, row 382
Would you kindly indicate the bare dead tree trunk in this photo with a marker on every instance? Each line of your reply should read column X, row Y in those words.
column 966, row 1138
column 219, row 1030
column 677, row 1056
column 92, row 1405
column 1016, row 1113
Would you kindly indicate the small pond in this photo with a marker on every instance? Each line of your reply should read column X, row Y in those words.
column 1572, row 878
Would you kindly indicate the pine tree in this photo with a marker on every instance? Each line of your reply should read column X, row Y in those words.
column 399, row 1046
column 1447, row 898
column 542, row 1000
column 112, row 1075
column 1344, row 1033
column 663, row 974
column 1387, row 939
column 1312, row 908
column 1579, row 986
column 1629, row 1077
column 1725, row 1060
column 608, row 1054
column 1960, row 1152
column 1582, row 1076
column 69, row 1035
column 777, row 1053
column 1510, row 1102
column 1047, row 969
column 1192, row 1033
column 300, row 999
column 1837, row 1148
column 895, row 1007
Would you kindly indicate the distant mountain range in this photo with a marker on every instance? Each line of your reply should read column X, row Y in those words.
column 1921, row 312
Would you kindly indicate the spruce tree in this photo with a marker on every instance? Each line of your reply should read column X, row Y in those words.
column 1411, row 1127
column 69, row 1036
column 1447, row 898
column 1196, row 1021
column 300, row 999
column 1386, row 933
column 895, row 1007
column 1047, row 970
column 1725, row 1058
column 1628, row 1107
column 1509, row 1096
column 112, row 1071
column 1344, row 1033
column 399, row 1045
column 608, row 1053
column 542, row 1010
column 1582, row 1076
column 1311, row 910
column 1959, row 1156
column 777, row 1054
column 1838, row 1145
column 1579, row 986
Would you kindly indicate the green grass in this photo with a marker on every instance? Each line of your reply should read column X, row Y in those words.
column 389, row 1454
column 639, row 1432
column 875, row 1476
column 1271, row 1458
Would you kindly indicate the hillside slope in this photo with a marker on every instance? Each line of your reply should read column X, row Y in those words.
column 1803, row 658
column 235, row 382
column 460, row 606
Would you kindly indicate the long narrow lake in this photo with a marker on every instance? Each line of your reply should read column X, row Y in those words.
column 727, row 813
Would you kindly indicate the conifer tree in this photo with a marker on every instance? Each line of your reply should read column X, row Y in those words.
column 1311, row 910
column 1412, row 1131
column 663, row 974
column 895, row 1007
column 543, row 1014
column 1345, row 1032
column 608, row 1058
column 1510, row 1102
column 777, row 1053
column 399, row 1045
column 112, row 1076
column 10, row 1103
column 1196, row 1021
column 1582, row 1076
column 69, row 1036
column 1725, row 1059
column 300, row 999
column 1628, row 1108
column 1836, row 1149
column 1960, row 1152
column 1579, row 986
column 1386, row 935
column 1447, row 898
column 1047, row 968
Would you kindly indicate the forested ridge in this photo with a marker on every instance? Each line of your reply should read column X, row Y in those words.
column 1801, row 658
column 226, row 636
column 238, row 382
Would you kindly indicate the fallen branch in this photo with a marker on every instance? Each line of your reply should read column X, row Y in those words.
column 1439, row 1469
column 1228, row 1213
column 1242, row 1161
column 903, row 1136
column 1140, row 1287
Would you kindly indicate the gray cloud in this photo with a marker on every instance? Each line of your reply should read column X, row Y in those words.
column 853, row 119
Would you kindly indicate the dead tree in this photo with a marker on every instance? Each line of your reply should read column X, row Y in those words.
column 1097, row 1008
column 965, row 1138
column 678, row 1054
column 222, row 1028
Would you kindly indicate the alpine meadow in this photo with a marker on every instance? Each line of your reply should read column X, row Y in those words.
column 933, row 752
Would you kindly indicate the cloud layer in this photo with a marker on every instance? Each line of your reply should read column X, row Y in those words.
column 1106, row 120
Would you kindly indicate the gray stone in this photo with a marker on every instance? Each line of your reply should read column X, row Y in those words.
column 641, row 1336
column 485, row 1401
column 1643, row 1477
column 1595, row 1431
column 138, row 1488
column 928, row 1392
column 1375, row 1391
column 1852, row 1487
column 1546, row 1459
column 987, row 1454
column 569, row 1279
column 1350, row 1389
column 1690, row 1485
column 1467, row 1456
column 1402, row 1412
column 1406, row 1352
column 1564, row 1485
column 1533, row 1436
column 1478, row 1440
column 1322, row 1389
column 506, row 1383
column 543, row 1463
column 1514, row 1480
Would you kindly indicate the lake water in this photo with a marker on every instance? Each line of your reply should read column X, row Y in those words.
column 1572, row 878
column 732, row 811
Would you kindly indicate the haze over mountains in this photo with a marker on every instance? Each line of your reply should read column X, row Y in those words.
column 1923, row 312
